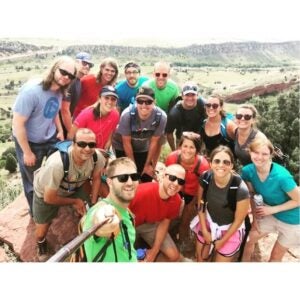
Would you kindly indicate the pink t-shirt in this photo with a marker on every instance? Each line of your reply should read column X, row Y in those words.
column 148, row 207
column 103, row 127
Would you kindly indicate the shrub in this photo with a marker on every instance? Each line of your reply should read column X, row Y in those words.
column 9, row 150
column 11, row 163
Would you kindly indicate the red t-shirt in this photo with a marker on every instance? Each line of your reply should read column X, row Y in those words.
column 90, row 90
column 148, row 207
column 191, row 179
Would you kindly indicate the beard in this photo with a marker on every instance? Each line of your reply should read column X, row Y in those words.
column 122, row 197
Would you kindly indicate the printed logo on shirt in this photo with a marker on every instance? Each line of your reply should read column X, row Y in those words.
column 51, row 108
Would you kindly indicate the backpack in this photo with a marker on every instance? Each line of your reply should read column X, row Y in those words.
column 195, row 171
column 133, row 120
column 231, row 195
column 62, row 147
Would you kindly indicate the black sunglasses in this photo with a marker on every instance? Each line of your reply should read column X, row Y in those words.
column 66, row 73
column 124, row 177
column 85, row 63
column 164, row 75
column 84, row 144
column 225, row 162
column 141, row 102
column 247, row 117
column 214, row 105
column 174, row 178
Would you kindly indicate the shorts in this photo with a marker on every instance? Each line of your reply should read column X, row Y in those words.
column 288, row 234
column 231, row 247
column 147, row 232
column 187, row 198
column 44, row 213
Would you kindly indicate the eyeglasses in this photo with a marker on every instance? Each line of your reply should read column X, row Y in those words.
column 66, row 73
column 85, row 63
column 141, row 102
column 124, row 177
column 224, row 162
column 173, row 178
column 213, row 105
column 132, row 72
column 164, row 75
column 82, row 144
column 247, row 117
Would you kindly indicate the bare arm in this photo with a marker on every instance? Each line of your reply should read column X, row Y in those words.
column 171, row 141
column 18, row 123
column 60, row 132
column 128, row 146
column 149, row 168
column 161, row 232
column 231, row 127
column 72, row 132
column 66, row 115
column 51, row 197
column 108, row 143
column 96, row 182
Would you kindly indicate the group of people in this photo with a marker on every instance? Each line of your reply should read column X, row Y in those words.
column 200, row 186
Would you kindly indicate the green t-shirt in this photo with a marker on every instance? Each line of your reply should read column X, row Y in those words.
column 164, row 96
column 93, row 245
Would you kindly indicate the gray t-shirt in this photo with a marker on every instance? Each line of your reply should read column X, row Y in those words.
column 51, row 174
column 141, row 131
column 40, row 107
column 217, row 201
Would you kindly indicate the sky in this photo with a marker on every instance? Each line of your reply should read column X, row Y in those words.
column 174, row 22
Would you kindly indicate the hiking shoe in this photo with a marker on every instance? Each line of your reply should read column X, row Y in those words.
column 43, row 251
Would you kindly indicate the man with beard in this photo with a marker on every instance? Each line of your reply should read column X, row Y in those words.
column 114, row 242
column 154, row 206
column 36, row 125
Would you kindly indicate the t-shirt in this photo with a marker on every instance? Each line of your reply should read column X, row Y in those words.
column 127, row 93
column 274, row 189
column 191, row 178
column 73, row 94
column 217, row 203
column 148, row 207
column 94, row 244
column 51, row 174
column 90, row 89
column 181, row 119
column 165, row 95
column 41, row 108
column 141, row 131
column 103, row 127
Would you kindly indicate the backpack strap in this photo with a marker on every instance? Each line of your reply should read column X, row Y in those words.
column 206, row 177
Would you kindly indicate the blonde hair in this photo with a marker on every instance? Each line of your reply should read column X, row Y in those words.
column 260, row 142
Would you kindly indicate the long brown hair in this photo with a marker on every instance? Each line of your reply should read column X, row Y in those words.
column 111, row 62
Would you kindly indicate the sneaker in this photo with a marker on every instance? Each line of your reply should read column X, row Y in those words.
column 43, row 251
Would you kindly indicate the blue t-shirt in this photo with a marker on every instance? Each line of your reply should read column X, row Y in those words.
column 40, row 107
column 127, row 93
column 274, row 189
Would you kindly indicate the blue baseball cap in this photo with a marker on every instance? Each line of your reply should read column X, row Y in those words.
column 84, row 56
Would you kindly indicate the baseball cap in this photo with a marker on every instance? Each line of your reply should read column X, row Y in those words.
column 190, row 88
column 109, row 90
column 85, row 57
column 145, row 92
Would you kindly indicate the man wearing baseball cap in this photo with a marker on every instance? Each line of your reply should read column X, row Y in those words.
column 83, row 66
column 187, row 115
column 140, row 128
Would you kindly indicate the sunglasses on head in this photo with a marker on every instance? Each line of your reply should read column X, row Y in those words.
column 164, row 75
column 141, row 102
column 224, row 162
column 173, row 178
column 124, row 177
column 85, row 63
column 84, row 144
column 66, row 73
column 247, row 117
column 213, row 105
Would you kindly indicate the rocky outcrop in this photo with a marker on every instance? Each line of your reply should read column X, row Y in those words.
column 17, row 229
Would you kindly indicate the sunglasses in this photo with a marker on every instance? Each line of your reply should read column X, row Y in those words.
column 84, row 144
column 190, row 88
column 173, row 178
column 84, row 63
column 141, row 102
column 132, row 72
column 246, row 117
column 213, row 106
column 66, row 73
column 164, row 75
column 224, row 162
column 124, row 177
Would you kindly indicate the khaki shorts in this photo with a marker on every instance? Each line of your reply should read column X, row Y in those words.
column 288, row 234
column 147, row 232
column 44, row 213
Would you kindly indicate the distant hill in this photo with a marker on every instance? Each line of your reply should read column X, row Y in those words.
column 239, row 54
